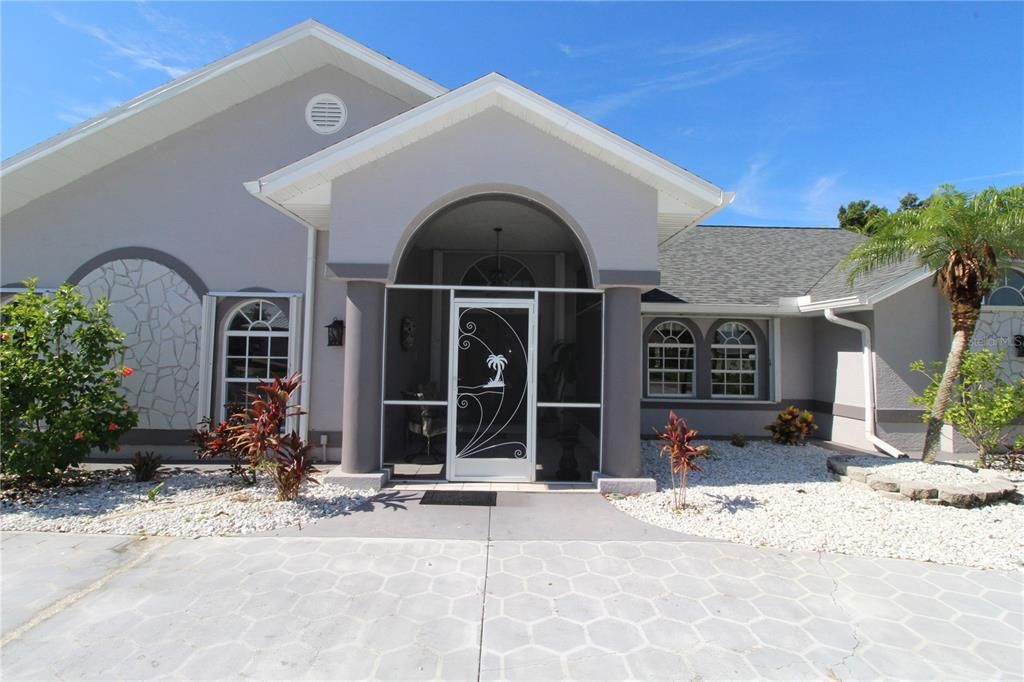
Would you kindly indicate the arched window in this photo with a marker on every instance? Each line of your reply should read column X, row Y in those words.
column 498, row 271
column 734, row 362
column 255, row 350
column 670, row 360
column 1008, row 289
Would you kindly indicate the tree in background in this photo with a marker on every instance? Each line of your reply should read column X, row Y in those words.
column 856, row 216
column 60, row 381
column 964, row 239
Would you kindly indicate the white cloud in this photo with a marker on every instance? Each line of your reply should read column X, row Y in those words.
column 765, row 195
column 163, row 44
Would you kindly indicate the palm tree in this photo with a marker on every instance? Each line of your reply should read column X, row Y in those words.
column 497, row 363
column 961, row 237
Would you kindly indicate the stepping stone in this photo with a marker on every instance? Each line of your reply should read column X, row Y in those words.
column 958, row 497
column 918, row 490
column 990, row 491
column 883, row 483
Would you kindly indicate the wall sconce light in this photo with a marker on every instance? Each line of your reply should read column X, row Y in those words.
column 336, row 333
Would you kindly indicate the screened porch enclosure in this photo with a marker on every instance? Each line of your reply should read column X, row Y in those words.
column 492, row 351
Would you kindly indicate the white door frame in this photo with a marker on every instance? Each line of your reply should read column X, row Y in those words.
column 484, row 469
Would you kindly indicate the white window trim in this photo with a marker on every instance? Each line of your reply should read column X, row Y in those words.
column 225, row 333
column 660, row 344
column 753, row 372
column 986, row 306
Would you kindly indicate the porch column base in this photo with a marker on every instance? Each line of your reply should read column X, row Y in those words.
column 375, row 480
column 623, row 350
column 364, row 330
column 624, row 486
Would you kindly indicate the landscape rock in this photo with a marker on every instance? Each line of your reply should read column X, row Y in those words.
column 883, row 483
column 918, row 490
column 958, row 497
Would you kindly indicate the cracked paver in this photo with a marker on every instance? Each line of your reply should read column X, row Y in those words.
column 357, row 608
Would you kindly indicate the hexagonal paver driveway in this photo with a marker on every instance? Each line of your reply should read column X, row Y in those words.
column 343, row 608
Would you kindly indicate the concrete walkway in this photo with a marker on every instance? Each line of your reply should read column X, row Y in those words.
column 475, row 598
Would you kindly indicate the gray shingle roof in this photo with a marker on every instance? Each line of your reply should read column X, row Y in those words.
column 759, row 265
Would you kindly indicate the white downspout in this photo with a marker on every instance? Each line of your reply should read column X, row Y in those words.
column 307, row 329
column 869, row 382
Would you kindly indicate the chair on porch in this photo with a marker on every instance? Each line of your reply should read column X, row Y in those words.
column 425, row 421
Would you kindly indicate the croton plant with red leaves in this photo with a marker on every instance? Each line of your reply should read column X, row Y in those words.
column 682, row 455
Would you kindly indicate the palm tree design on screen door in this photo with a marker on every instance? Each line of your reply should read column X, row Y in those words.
column 497, row 363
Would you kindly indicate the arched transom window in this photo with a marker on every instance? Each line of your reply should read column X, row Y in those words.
column 670, row 360
column 498, row 271
column 255, row 350
column 1008, row 289
column 734, row 362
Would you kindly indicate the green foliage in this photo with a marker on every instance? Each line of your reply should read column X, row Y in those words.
column 739, row 440
column 856, row 216
column 792, row 426
column 682, row 455
column 983, row 405
column 911, row 202
column 255, row 439
column 60, row 382
column 155, row 490
column 144, row 465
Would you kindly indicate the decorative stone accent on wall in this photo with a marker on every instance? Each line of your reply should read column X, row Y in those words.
column 162, row 317
column 995, row 331
column 882, row 475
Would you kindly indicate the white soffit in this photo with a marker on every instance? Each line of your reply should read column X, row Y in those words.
column 166, row 110
column 306, row 183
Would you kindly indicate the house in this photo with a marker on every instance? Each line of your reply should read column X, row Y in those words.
column 477, row 283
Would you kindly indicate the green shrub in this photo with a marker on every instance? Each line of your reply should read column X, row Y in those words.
column 983, row 404
column 60, row 382
column 739, row 440
column 792, row 426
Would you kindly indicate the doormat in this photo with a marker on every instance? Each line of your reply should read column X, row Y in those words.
column 465, row 498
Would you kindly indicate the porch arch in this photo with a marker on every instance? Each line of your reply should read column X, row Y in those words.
column 496, row 191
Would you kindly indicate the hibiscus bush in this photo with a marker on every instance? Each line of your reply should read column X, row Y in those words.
column 60, row 381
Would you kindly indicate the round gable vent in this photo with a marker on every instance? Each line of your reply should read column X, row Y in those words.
column 326, row 113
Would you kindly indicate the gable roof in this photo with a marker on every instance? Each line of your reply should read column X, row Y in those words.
column 303, row 188
column 175, row 106
column 726, row 265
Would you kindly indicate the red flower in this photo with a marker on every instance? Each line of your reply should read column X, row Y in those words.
column 111, row 426
column 127, row 371
column 79, row 435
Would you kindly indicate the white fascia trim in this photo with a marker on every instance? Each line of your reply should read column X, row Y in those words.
column 717, row 310
column 308, row 28
column 499, row 91
column 908, row 280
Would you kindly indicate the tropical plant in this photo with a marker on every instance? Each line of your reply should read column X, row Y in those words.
column 155, row 490
column 60, row 382
column 682, row 455
column 792, row 426
column 144, row 465
column 255, row 439
column 963, row 238
column 983, row 405
column 739, row 440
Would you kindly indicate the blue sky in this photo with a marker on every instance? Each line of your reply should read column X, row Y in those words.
column 797, row 107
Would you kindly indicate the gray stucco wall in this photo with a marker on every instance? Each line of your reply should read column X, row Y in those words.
column 183, row 197
column 377, row 207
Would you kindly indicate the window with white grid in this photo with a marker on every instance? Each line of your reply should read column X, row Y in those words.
column 734, row 362
column 255, row 351
column 670, row 360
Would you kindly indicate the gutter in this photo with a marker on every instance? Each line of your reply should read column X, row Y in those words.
column 869, row 382
column 255, row 188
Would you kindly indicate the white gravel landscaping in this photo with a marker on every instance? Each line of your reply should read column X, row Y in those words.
column 191, row 504
column 777, row 496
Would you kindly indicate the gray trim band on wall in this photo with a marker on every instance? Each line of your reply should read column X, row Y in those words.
column 725, row 404
column 142, row 253
column 157, row 437
column 647, row 278
column 377, row 271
